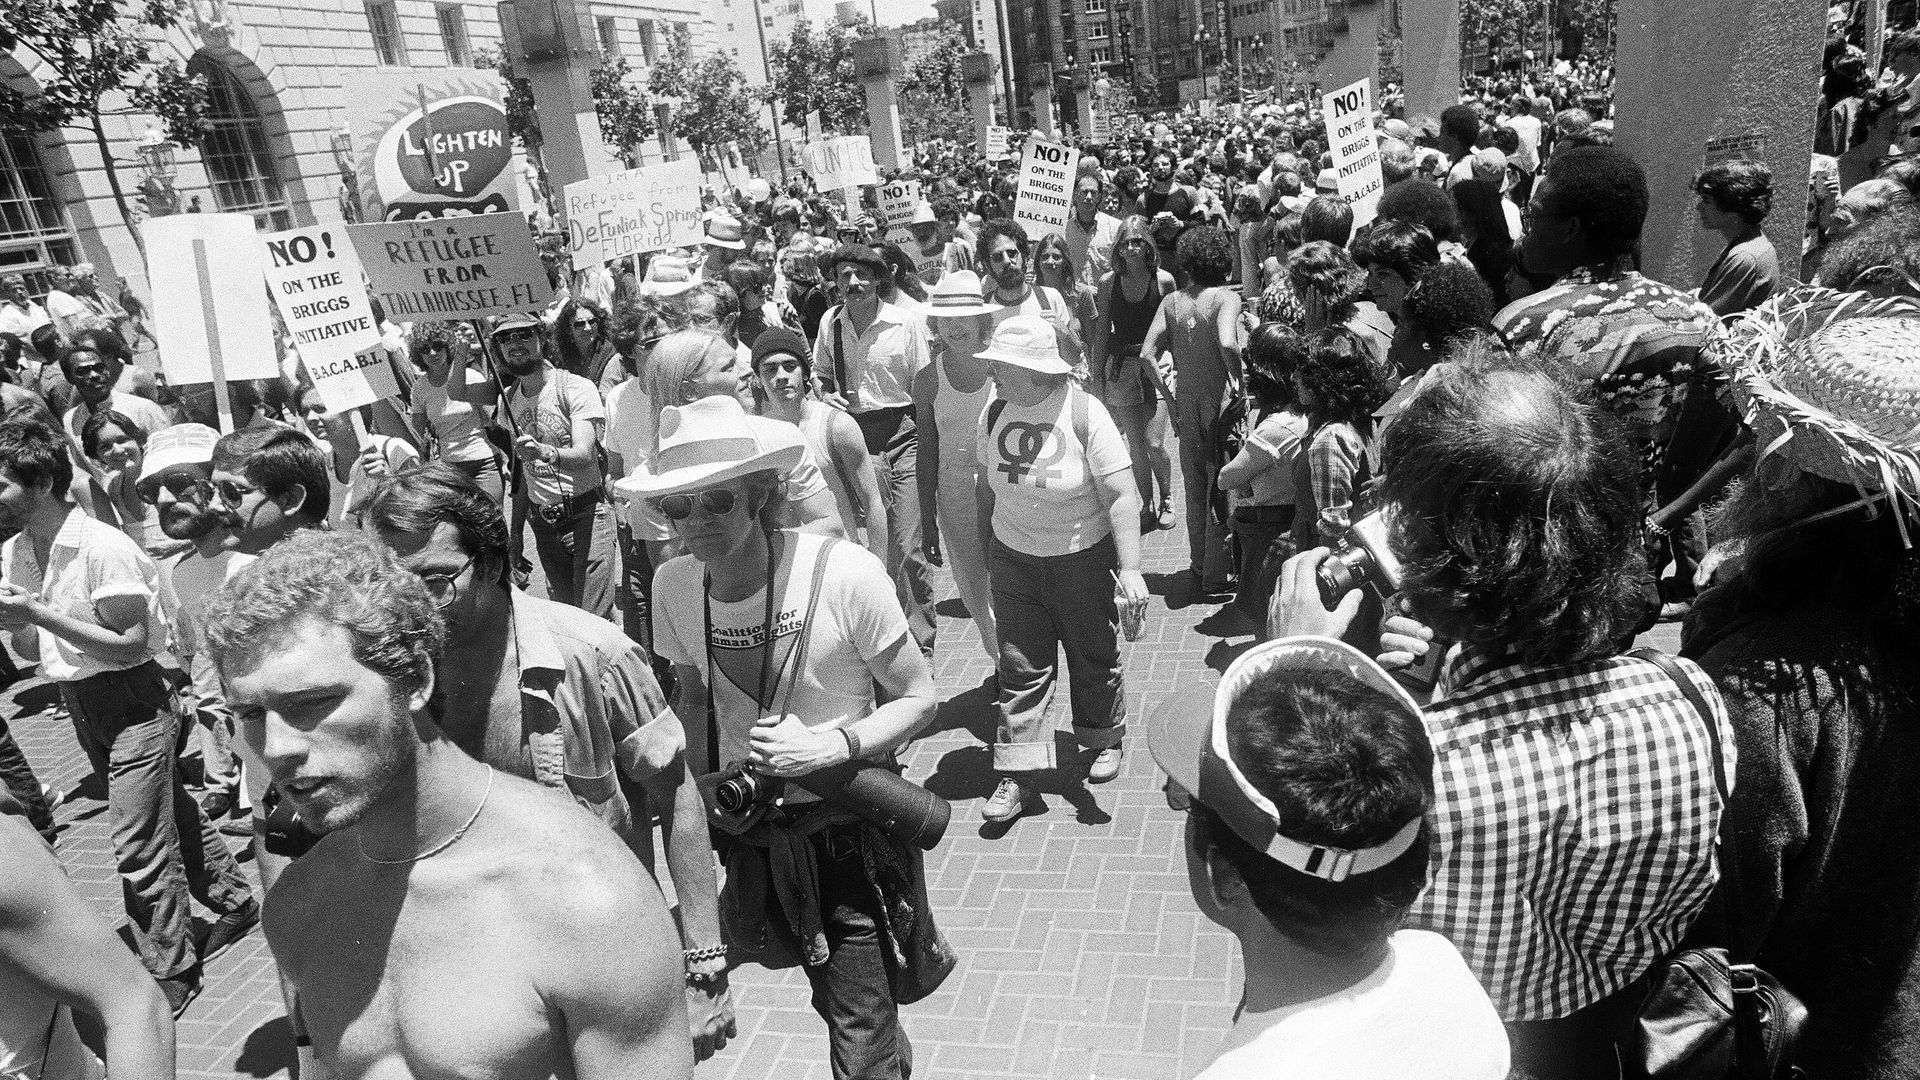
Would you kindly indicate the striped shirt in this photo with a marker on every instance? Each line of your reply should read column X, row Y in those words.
column 1575, row 826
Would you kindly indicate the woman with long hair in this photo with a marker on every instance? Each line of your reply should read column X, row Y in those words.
column 1263, row 469
column 1053, row 268
column 1338, row 385
column 585, row 346
column 905, row 287
column 1125, row 302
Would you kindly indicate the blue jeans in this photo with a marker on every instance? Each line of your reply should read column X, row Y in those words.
column 577, row 553
column 165, row 848
column 850, row 991
column 1044, row 604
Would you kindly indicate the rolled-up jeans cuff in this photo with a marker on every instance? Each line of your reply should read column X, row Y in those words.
column 1099, row 738
column 1023, row 757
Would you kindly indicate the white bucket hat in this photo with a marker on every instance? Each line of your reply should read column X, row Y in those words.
column 1027, row 341
column 702, row 443
column 958, row 295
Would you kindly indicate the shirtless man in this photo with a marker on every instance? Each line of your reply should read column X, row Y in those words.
column 452, row 920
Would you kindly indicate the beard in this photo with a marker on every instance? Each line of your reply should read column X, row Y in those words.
column 1010, row 277
column 1753, row 508
column 521, row 367
column 346, row 800
column 185, row 521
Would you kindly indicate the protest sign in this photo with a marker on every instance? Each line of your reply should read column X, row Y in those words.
column 841, row 162
column 346, row 382
column 645, row 209
column 452, row 269
column 898, row 200
column 1046, row 187
column 430, row 143
column 1356, row 153
column 998, row 139
column 210, row 305
column 314, row 277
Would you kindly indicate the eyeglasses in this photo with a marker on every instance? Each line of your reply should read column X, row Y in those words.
column 585, row 324
column 520, row 333
column 443, row 589
column 233, row 494
column 179, row 485
column 1178, row 798
column 1006, row 256
column 716, row 501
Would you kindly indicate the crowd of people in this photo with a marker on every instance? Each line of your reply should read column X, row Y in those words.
column 1456, row 822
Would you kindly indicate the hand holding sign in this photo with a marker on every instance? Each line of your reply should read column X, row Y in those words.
column 1356, row 153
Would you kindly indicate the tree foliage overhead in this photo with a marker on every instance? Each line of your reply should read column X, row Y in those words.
column 716, row 106
column 933, row 97
column 814, row 72
column 624, row 110
column 92, row 49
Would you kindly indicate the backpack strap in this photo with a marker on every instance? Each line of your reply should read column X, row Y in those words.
column 1046, row 305
column 839, row 351
column 994, row 409
column 1699, row 702
column 799, row 662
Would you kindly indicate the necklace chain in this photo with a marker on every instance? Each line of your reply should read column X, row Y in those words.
column 442, row 845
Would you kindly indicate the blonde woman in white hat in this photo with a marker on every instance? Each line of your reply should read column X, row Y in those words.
column 1060, row 521
column 949, row 395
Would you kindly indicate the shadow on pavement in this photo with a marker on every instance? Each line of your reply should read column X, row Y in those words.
column 268, row 1051
column 1224, row 653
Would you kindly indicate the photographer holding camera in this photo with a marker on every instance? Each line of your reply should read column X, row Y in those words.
column 1576, row 804
column 777, row 640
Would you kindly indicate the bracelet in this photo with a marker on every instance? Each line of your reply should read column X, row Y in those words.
column 1654, row 528
column 711, row 952
column 715, row 981
column 853, row 743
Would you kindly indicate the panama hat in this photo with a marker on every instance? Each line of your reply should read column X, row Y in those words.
column 173, row 447
column 1830, row 381
column 958, row 295
column 725, row 231
column 667, row 275
column 1027, row 341
column 703, row 443
column 1187, row 736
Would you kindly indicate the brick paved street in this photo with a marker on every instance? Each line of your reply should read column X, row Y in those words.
column 1081, row 953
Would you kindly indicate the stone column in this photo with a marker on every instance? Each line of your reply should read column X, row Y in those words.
column 977, row 69
column 1356, row 50
column 553, row 47
column 1732, row 69
column 877, row 61
column 1042, row 82
column 1430, row 56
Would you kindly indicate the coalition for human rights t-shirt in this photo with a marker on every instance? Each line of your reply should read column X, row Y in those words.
column 856, row 619
column 1046, row 499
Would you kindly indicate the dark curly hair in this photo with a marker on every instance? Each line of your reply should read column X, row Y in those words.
column 1327, row 218
column 1449, row 300
column 1738, row 187
column 1330, row 273
column 1606, row 190
column 1274, row 352
column 1206, row 254
column 994, row 228
column 1423, row 203
column 1516, row 512
column 1881, row 257
column 1404, row 247
column 1340, row 375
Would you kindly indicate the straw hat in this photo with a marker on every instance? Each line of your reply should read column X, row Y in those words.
column 667, row 275
column 958, row 295
column 1831, row 382
column 1027, row 341
column 725, row 231
column 703, row 443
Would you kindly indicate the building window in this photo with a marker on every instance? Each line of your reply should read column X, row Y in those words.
column 1102, row 54
column 235, row 152
column 609, row 36
column 453, row 34
column 649, row 40
column 1098, row 32
column 1096, row 7
column 34, row 231
column 663, row 119
column 389, row 48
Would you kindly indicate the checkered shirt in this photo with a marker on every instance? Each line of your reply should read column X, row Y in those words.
column 1335, row 458
column 1575, row 824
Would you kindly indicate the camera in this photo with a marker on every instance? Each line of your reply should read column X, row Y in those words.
column 1363, row 559
column 873, row 791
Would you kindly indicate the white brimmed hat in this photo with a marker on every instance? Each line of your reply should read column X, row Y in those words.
column 958, row 295
column 725, row 231
column 667, row 275
column 703, row 443
column 1187, row 737
column 1027, row 341
column 181, row 444
column 1830, row 381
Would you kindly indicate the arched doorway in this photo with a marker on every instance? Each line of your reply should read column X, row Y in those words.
column 235, row 152
column 35, row 231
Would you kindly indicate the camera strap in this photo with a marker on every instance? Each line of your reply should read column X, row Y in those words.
column 789, row 672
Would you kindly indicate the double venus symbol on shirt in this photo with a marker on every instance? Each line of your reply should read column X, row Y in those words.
column 1021, row 445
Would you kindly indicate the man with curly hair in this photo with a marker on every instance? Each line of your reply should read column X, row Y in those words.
column 1735, row 197
column 1577, row 806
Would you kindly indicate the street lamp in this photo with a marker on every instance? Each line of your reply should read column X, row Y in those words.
column 157, row 166
column 1259, row 62
column 1200, row 39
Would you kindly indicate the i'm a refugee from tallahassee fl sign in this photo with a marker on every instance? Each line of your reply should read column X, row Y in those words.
column 449, row 269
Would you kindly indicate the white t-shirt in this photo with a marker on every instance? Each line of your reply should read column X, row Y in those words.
column 548, row 416
column 856, row 619
column 1421, row 1016
column 1045, row 499
column 458, row 428
column 137, row 409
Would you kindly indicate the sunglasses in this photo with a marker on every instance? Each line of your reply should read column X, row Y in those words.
column 231, row 493
column 524, row 333
column 718, row 502
column 585, row 324
column 178, row 485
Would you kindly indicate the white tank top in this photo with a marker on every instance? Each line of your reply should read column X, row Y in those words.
column 37, row 1039
column 957, row 417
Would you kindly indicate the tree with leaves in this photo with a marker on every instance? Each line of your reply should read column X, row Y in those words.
column 99, row 60
column 933, row 97
column 815, row 73
column 623, row 107
column 716, row 106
